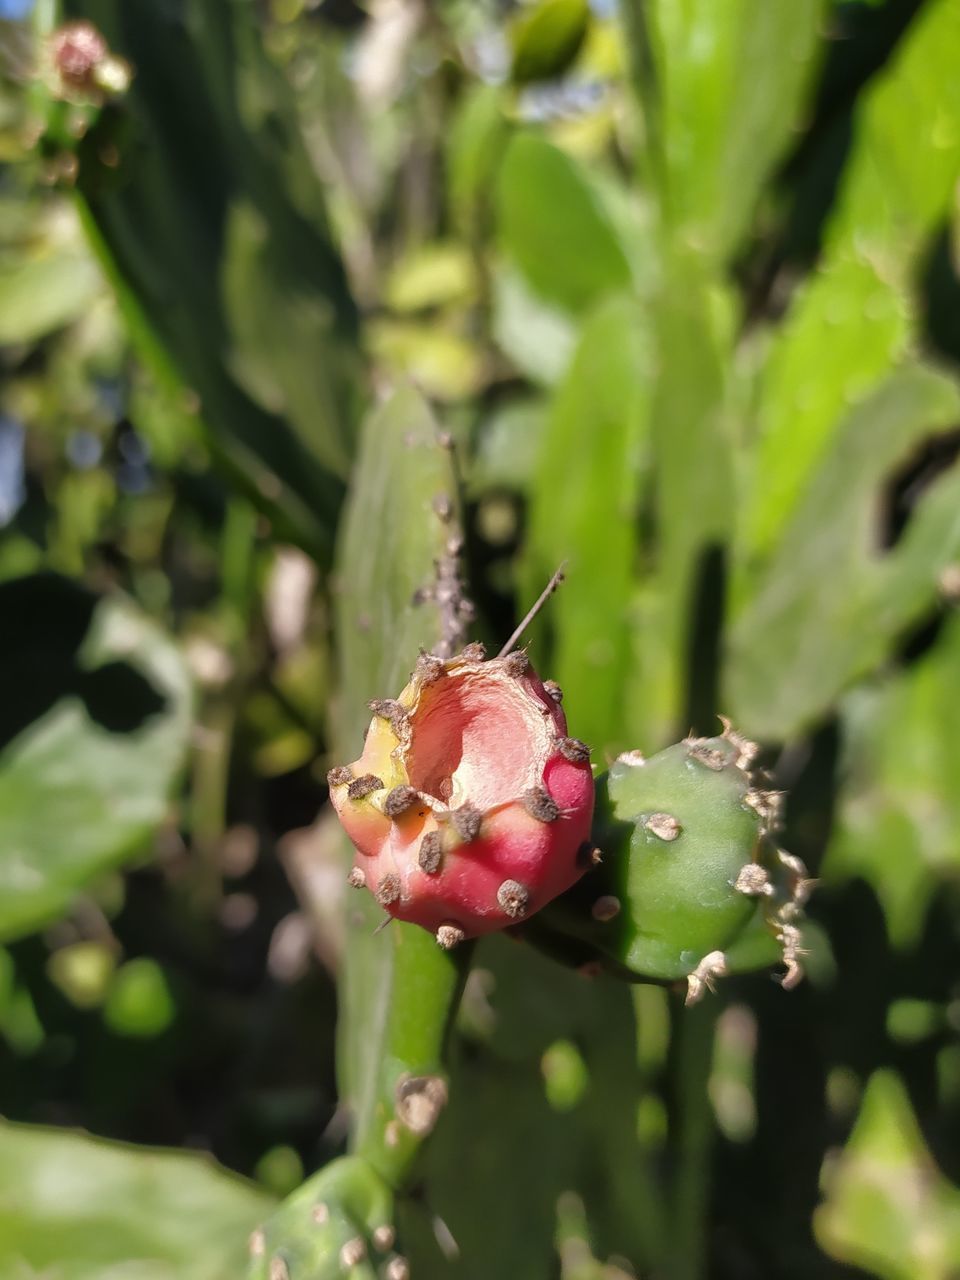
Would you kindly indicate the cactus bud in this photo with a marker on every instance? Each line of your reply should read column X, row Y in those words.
column 469, row 803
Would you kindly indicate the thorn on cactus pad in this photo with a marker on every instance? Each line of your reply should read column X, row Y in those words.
column 712, row 966
column 278, row 1269
column 790, row 938
column 709, row 757
column 443, row 507
column 257, row 1244
column 391, row 1134
column 399, row 800
column 466, row 822
column 429, row 667
column 747, row 751
column 339, row 776
column 356, row 879
column 801, row 885
column 430, row 855
column 767, row 805
column 384, row 1237
column 388, row 890
column 791, row 862
column 754, row 881
column 398, row 1268
column 634, row 759
column 363, row 786
column 514, row 898
column 352, row 1253
column 449, row 936
column 663, row 825
column 320, row 1213
column 474, row 652
column 605, row 908
column 540, row 804
column 574, row 750
column 418, row 1101
column 553, row 691
column 516, row 663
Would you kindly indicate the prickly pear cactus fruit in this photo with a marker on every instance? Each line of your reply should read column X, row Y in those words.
column 339, row 1223
column 690, row 883
column 470, row 807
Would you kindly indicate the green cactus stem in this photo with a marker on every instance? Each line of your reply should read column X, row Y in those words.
column 398, row 588
column 689, row 883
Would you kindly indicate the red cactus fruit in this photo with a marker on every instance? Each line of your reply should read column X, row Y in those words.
column 470, row 807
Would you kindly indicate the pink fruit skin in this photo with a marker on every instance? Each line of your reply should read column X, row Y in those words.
column 487, row 736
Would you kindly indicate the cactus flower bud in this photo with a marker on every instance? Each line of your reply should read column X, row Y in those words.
column 470, row 804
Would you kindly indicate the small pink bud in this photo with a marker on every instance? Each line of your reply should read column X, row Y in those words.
column 84, row 67
column 470, row 804
column 78, row 48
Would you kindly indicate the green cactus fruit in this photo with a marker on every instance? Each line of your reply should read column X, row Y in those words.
column 339, row 1223
column 689, row 883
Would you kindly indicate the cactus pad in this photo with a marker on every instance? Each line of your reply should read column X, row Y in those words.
column 339, row 1223
column 690, row 883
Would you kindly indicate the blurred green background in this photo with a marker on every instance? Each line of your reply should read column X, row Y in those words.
column 682, row 280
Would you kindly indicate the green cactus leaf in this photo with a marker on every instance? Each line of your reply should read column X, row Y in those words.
column 477, row 135
column 730, row 82
column 693, row 473
column 93, row 730
column 508, row 447
column 390, row 539
column 500, row 1112
column 583, row 511
column 888, row 1208
column 550, row 211
column 831, row 600
column 899, row 821
column 79, row 1208
column 265, row 334
column 546, row 39
column 398, row 988
column 48, row 277
column 537, row 336
column 896, row 190
column 499, row 1117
